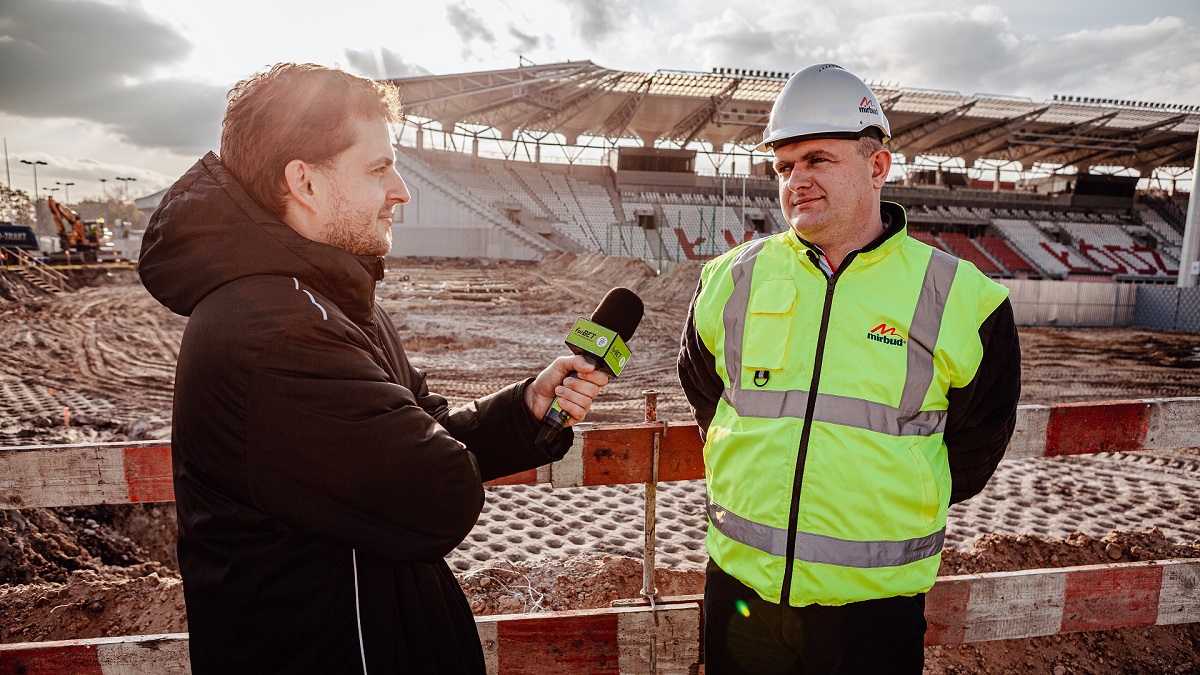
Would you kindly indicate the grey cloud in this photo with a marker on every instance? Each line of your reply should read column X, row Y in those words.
column 468, row 24
column 95, row 61
column 780, row 40
column 978, row 53
column 528, row 43
column 974, row 50
column 86, row 173
column 945, row 50
column 382, row 64
column 597, row 19
column 1154, row 61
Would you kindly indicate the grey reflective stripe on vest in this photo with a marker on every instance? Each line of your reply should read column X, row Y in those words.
column 907, row 420
column 734, row 313
column 818, row 548
column 925, row 326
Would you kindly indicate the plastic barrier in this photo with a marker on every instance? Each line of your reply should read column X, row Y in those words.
column 959, row 609
column 607, row 454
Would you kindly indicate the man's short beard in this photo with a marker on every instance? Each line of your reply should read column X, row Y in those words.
column 354, row 232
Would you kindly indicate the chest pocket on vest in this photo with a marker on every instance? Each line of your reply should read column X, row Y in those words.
column 769, row 325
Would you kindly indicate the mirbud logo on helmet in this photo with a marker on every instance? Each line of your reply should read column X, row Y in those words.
column 824, row 101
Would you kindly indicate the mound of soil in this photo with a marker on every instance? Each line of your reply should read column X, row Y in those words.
column 576, row 582
column 87, row 606
column 111, row 542
column 997, row 553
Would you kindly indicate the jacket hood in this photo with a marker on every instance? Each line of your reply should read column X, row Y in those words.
column 208, row 232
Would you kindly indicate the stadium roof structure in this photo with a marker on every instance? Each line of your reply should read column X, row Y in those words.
column 580, row 98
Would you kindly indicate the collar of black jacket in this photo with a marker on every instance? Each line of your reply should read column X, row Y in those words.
column 208, row 232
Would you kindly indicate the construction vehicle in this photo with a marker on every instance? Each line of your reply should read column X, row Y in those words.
column 84, row 238
column 18, row 236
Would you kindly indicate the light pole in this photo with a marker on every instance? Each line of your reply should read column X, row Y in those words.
column 34, row 164
column 126, row 180
column 104, row 187
column 66, row 191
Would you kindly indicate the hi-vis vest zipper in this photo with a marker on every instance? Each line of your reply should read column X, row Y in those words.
column 827, row 475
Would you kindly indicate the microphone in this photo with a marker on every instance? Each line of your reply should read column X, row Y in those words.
column 601, row 339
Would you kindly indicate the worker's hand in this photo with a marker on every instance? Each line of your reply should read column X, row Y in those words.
column 574, row 393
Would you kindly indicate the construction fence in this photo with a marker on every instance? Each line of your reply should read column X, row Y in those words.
column 1167, row 308
column 1098, row 304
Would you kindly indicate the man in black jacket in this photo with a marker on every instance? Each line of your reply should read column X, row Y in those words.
column 318, row 481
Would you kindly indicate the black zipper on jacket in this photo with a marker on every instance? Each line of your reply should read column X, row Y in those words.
column 802, row 451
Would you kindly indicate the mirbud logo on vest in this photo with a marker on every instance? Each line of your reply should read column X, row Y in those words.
column 867, row 106
column 885, row 334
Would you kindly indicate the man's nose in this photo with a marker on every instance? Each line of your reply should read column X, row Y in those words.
column 798, row 179
column 398, row 194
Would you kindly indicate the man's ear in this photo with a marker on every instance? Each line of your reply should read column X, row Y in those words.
column 881, row 166
column 301, row 179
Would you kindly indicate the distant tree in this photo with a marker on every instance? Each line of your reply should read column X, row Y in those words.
column 15, row 206
column 111, row 211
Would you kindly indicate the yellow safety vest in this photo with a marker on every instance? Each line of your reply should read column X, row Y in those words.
column 825, row 465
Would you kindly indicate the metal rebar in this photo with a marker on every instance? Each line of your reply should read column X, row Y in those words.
column 651, row 396
column 649, row 590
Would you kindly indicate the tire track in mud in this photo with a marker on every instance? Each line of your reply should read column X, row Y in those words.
column 104, row 354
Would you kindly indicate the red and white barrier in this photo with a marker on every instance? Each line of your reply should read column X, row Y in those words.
column 608, row 454
column 959, row 609
column 85, row 475
column 131, row 655
column 613, row 640
column 970, row 608
column 1031, row 603
column 1109, row 426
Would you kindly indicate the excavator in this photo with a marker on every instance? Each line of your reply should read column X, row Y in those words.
column 82, row 237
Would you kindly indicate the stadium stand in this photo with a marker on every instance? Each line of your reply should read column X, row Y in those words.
column 1055, row 259
column 1111, row 249
column 927, row 238
column 450, row 193
column 964, row 247
column 648, row 188
column 1005, row 255
column 1169, row 240
column 587, row 208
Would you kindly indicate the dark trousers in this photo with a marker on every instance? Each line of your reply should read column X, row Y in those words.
column 745, row 634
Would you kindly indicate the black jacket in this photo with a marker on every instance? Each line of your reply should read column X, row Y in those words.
column 981, row 417
column 318, row 482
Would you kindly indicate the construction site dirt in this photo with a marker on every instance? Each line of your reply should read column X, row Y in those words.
column 97, row 365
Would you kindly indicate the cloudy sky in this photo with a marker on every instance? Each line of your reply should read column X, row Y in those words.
column 100, row 89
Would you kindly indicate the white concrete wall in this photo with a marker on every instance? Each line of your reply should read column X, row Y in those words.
column 1071, row 303
column 431, row 225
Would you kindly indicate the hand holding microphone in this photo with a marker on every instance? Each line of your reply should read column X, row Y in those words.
column 600, row 347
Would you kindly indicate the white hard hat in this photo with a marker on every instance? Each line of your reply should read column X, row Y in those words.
column 824, row 100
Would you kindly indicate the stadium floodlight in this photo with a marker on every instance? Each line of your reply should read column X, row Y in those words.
column 125, row 180
column 34, row 164
column 1189, row 260
column 66, row 191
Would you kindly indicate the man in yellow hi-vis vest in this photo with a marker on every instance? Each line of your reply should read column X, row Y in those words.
column 851, row 383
